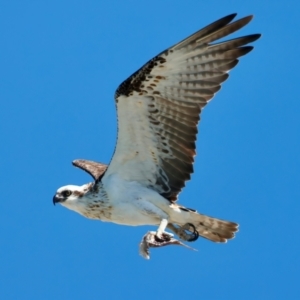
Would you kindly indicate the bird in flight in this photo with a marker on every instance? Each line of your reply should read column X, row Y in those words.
column 158, row 109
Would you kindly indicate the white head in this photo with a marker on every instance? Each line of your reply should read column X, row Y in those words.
column 70, row 195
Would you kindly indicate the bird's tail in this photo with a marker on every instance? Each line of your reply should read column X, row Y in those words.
column 210, row 228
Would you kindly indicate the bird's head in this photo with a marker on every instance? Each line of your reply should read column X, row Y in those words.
column 70, row 194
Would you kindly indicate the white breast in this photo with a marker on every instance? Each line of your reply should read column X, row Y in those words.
column 132, row 203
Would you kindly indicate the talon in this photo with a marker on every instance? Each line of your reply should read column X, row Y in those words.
column 165, row 237
column 158, row 239
column 194, row 236
column 189, row 237
column 192, row 225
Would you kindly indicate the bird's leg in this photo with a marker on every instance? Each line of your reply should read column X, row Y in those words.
column 190, row 236
column 161, row 229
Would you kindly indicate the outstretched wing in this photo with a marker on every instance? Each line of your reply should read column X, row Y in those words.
column 159, row 106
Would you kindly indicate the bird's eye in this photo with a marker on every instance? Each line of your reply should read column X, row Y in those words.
column 66, row 193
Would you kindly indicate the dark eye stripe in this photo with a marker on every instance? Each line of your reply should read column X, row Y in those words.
column 66, row 193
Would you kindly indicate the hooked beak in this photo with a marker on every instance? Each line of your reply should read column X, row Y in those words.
column 57, row 199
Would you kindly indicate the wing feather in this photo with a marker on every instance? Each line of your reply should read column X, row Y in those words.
column 159, row 106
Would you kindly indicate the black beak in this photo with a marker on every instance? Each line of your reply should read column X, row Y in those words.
column 57, row 199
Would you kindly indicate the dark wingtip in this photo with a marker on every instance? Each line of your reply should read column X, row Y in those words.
column 250, row 17
column 227, row 19
column 230, row 16
column 257, row 35
column 253, row 37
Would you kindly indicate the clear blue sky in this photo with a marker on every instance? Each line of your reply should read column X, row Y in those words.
column 60, row 63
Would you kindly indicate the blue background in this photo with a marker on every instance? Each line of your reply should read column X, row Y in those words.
column 60, row 63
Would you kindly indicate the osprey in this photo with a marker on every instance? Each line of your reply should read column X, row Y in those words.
column 158, row 110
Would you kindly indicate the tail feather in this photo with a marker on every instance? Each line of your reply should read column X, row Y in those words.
column 210, row 228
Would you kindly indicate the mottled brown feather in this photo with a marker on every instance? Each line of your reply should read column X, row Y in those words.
column 178, row 83
column 95, row 169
